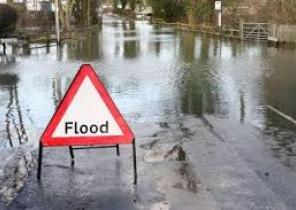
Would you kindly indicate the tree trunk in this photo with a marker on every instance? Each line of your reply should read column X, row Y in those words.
column 88, row 13
column 62, row 15
column 115, row 5
column 133, row 4
column 69, row 12
column 191, row 19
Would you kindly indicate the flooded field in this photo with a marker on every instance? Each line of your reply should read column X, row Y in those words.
column 155, row 74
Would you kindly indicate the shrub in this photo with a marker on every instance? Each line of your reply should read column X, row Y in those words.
column 8, row 18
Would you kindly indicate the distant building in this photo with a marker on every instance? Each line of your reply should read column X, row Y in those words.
column 33, row 5
column 14, row 1
column 20, row 1
column 39, row 5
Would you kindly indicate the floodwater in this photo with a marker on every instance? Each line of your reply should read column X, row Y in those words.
column 154, row 74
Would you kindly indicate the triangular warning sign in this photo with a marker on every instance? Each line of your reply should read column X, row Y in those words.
column 86, row 116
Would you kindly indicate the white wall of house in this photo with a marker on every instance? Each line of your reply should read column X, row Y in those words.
column 15, row 1
column 39, row 5
column 34, row 5
column 19, row 1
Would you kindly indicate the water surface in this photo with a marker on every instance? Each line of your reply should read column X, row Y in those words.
column 154, row 74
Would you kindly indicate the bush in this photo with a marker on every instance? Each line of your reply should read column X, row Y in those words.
column 8, row 18
column 169, row 10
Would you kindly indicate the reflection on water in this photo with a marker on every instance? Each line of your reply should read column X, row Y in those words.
column 6, row 61
column 13, row 132
column 56, row 91
column 154, row 74
column 130, row 47
column 280, row 84
column 280, row 136
column 86, row 46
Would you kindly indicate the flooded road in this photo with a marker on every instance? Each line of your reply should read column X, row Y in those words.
column 156, row 74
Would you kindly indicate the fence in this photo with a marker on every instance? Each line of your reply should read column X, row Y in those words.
column 247, row 31
column 283, row 33
column 227, row 31
column 254, row 31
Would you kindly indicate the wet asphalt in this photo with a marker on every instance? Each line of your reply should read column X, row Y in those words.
column 99, row 180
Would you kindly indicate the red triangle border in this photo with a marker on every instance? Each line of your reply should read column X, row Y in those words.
column 48, row 141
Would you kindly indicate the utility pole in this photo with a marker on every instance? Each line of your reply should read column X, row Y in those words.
column 221, row 18
column 88, row 13
column 57, row 22
column 218, row 8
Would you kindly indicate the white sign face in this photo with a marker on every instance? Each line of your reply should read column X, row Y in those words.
column 218, row 5
column 87, row 115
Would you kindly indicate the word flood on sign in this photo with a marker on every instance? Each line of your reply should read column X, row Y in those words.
column 76, row 128
column 87, row 118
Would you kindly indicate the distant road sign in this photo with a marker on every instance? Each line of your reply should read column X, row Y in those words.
column 218, row 5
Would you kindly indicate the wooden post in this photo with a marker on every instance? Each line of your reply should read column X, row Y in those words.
column 221, row 18
column 88, row 13
column 241, row 29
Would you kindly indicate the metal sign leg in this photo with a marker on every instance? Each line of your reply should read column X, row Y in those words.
column 117, row 150
column 4, row 48
column 72, row 155
column 71, row 150
column 135, row 162
column 39, row 169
